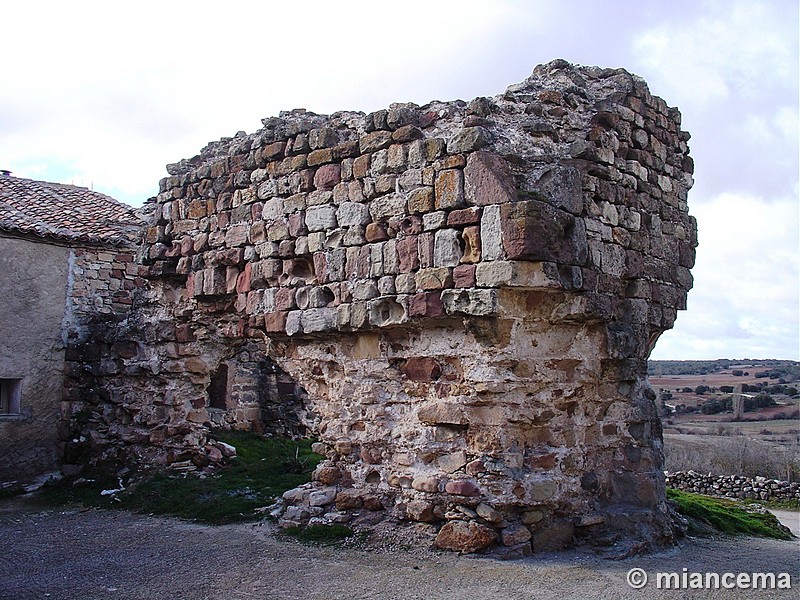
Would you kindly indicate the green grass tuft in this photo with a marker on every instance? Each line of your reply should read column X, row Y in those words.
column 263, row 469
column 727, row 516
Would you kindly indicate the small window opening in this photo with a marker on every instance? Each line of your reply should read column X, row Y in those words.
column 10, row 393
column 218, row 388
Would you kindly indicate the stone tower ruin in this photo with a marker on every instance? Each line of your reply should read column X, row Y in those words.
column 458, row 300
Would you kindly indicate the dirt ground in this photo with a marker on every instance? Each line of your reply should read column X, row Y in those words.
column 96, row 554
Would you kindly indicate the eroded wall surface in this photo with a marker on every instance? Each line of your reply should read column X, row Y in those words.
column 459, row 299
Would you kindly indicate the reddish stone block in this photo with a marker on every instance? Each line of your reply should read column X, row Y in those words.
column 464, row 276
column 361, row 166
column 409, row 225
column 183, row 333
column 321, row 266
column 465, row 216
column 425, row 304
column 462, row 487
column 408, row 258
column 488, row 180
column 223, row 219
column 297, row 224
column 453, row 161
column 425, row 249
column 428, row 118
column 275, row 322
column 286, row 249
column 284, row 299
column 421, row 369
column 376, row 232
column 407, row 133
column 187, row 246
column 197, row 209
column 320, row 157
column 471, row 236
column 465, row 537
column 174, row 250
column 273, row 151
column 544, row 461
column 421, row 200
column 327, row 176
column 534, row 230
column 449, row 188
column 232, row 257
column 345, row 150
column 243, row 283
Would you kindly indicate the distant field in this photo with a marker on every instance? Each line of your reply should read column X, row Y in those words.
column 764, row 442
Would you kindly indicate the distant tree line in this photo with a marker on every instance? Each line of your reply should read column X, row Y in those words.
column 718, row 405
column 762, row 388
column 774, row 369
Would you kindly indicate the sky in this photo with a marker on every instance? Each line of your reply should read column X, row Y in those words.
column 105, row 94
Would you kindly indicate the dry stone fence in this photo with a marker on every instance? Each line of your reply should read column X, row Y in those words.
column 734, row 486
column 457, row 300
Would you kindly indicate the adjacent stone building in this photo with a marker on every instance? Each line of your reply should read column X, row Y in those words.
column 457, row 299
column 66, row 262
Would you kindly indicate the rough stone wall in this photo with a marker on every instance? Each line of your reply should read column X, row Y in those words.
column 464, row 295
column 734, row 486
column 101, row 283
column 56, row 295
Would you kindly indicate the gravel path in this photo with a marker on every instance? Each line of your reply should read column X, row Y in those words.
column 96, row 554
column 790, row 518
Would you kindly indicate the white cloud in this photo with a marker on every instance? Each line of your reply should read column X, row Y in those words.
column 117, row 91
column 106, row 94
column 747, row 276
column 734, row 47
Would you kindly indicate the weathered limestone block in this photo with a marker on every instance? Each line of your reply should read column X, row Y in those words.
column 474, row 302
column 449, row 189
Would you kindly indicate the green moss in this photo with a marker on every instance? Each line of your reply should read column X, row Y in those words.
column 264, row 468
column 319, row 534
column 727, row 516
column 11, row 492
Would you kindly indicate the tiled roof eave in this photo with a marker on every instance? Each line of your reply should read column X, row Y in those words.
column 67, row 238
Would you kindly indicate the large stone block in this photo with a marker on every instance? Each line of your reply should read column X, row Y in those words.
column 492, row 233
column 534, row 230
column 488, row 180
column 385, row 207
column 465, row 537
column 315, row 320
column 475, row 302
column 446, row 248
column 352, row 213
column 449, row 189
column 320, row 218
